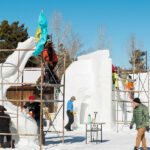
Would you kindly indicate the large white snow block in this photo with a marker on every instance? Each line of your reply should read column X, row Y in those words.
column 90, row 80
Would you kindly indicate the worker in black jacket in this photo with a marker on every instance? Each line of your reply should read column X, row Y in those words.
column 4, row 126
column 33, row 109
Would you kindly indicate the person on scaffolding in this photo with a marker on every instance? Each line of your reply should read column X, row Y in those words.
column 50, row 59
column 33, row 109
column 130, row 86
column 141, row 119
column 115, row 78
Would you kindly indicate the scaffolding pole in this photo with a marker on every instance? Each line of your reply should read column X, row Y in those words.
column 125, row 102
column 21, row 99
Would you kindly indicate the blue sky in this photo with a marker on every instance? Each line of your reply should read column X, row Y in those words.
column 120, row 19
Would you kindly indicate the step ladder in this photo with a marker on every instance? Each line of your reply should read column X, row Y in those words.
column 48, row 117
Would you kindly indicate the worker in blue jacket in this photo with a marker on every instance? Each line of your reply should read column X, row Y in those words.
column 70, row 113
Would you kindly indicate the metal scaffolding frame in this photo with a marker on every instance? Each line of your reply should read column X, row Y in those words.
column 124, row 106
column 41, row 85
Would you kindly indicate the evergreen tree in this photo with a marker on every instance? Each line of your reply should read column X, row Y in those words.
column 137, row 60
column 10, row 35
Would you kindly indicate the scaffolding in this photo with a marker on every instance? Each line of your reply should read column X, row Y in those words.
column 41, row 86
column 123, row 106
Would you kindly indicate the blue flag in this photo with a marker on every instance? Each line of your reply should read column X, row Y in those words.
column 41, row 34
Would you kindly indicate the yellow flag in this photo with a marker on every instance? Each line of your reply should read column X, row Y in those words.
column 37, row 34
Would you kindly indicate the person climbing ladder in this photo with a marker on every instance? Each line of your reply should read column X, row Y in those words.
column 50, row 58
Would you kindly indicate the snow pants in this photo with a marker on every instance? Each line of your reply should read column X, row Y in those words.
column 70, row 120
column 141, row 137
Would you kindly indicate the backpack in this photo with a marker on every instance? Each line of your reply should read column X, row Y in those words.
column 49, row 54
column 52, row 55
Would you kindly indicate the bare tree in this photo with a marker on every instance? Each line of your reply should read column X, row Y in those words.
column 103, row 42
column 64, row 34
column 57, row 27
column 66, row 41
column 73, row 44
column 132, row 44
column 131, row 48
column 101, row 37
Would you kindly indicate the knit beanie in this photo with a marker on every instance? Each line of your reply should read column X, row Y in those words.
column 137, row 100
column 2, row 108
column 31, row 98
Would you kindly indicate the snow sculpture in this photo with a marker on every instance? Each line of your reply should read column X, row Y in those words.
column 10, row 71
column 90, row 80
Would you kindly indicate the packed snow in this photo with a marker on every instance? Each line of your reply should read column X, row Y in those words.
column 123, row 140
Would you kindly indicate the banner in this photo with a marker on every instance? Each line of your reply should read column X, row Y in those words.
column 41, row 34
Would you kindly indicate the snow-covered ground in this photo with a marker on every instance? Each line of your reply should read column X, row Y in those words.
column 75, row 140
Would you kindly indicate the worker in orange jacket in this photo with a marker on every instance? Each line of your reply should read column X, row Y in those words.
column 130, row 86
column 51, row 61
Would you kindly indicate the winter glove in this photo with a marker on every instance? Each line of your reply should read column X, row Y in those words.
column 74, row 113
column 147, row 128
column 131, row 127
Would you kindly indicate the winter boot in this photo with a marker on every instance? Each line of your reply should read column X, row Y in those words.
column 13, row 144
column 135, row 148
column 67, row 128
